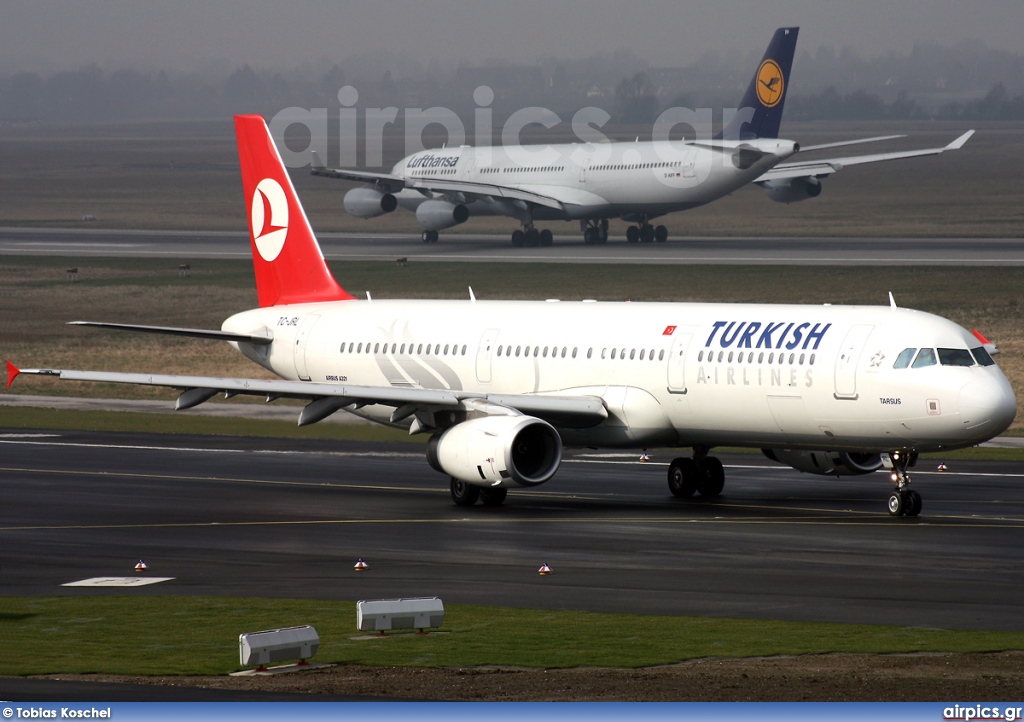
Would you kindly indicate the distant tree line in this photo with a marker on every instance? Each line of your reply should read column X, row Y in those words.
column 829, row 104
column 618, row 82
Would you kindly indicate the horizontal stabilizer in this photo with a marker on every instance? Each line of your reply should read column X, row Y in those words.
column 173, row 331
column 827, row 166
column 840, row 144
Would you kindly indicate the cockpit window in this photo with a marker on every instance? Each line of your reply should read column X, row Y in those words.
column 925, row 358
column 903, row 360
column 955, row 357
column 982, row 356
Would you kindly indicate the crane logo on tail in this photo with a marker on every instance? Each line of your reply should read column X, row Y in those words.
column 770, row 83
column 269, row 209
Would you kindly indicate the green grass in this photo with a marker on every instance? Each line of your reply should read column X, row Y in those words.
column 127, row 634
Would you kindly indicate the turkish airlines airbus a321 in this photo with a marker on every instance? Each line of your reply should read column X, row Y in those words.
column 594, row 182
column 500, row 386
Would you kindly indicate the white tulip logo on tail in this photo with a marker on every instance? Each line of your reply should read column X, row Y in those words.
column 269, row 211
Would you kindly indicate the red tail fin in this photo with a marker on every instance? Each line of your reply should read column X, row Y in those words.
column 289, row 265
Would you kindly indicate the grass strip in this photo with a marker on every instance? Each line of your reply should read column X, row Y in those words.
column 199, row 635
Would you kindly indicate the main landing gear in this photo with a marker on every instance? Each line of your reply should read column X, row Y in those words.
column 702, row 475
column 595, row 232
column 902, row 501
column 464, row 494
column 429, row 236
column 531, row 237
column 646, row 233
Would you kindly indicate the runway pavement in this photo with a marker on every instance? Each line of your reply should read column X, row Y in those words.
column 185, row 246
column 289, row 518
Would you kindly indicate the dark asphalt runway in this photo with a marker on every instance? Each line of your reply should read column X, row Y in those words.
column 186, row 246
column 290, row 518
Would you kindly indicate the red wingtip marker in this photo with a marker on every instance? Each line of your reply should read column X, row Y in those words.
column 977, row 335
column 12, row 373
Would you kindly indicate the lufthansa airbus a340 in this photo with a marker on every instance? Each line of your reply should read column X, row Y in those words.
column 500, row 386
column 591, row 183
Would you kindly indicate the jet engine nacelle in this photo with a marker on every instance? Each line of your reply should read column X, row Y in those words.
column 368, row 203
column 498, row 451
column 435, row 215
column 830, row 463
column 791, row 190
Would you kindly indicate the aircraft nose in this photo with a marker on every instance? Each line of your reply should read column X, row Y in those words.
column 988, row 405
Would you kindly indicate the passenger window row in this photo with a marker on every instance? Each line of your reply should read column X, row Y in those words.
column 728, row 357
column 412, row 349
column 538, row 351
column 526, row 169
column 563, row 352
column 638, row 166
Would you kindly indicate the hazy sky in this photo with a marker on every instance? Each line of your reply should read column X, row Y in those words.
column 47, row 35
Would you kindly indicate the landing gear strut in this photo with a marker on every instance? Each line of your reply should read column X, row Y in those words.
column 701, row 475
column 903, row 501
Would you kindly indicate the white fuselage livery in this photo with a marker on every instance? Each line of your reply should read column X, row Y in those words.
column 590, row 180
column 794, row 377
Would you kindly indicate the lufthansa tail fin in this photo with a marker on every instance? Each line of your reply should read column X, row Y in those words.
column 760, row 111
column 289, row 266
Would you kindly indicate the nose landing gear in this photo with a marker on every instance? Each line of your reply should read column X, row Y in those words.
column 903, row 501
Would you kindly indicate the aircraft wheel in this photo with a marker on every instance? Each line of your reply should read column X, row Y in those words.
column 493, row 497
column 518, row 239
column 633, row 234
column 532, row 238
column 913, row 501
column 661, row 234
column 464, row 494
column 434, row 236
column 425, row 236
column 646, row 234
column 591, row 236
column 546, row 237
column 897, row 505
column 711, row 479
column 682, row 478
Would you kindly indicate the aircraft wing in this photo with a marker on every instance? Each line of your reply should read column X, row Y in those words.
column 392, row 184
column 484, row 190
column 827, row 166
column 325, row 399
